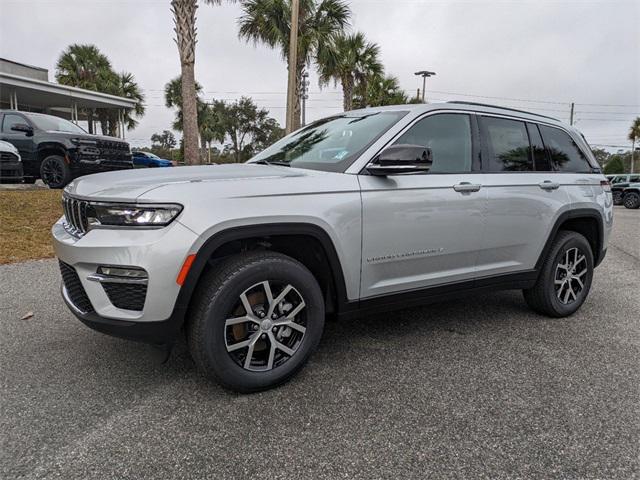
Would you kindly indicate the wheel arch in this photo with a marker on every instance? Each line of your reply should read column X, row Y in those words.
column 586, row 221
column 279, row 237
column 51, row 148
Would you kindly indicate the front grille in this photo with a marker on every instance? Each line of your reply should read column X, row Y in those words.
column 114, row 151
column 129, row 296
column 74, row 288
column 75, row 215
column 8, row 157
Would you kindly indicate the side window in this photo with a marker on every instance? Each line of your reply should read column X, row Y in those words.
column 541, row 161
column 634, row 179
column 564, row 152
column 448, row 135
column 507, row 145
column 10, row 120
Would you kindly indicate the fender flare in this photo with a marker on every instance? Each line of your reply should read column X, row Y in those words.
column 218, row 239
column 590, row 213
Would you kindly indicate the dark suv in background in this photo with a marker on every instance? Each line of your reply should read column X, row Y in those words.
column 57, row 151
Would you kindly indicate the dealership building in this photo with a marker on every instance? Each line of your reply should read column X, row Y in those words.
column 27, row 88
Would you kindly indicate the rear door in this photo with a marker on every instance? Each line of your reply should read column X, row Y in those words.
column 424, row 229
column 524, row 195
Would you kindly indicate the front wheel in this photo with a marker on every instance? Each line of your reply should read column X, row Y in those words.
column 632, row 200
column 257, row 317
column 55, row 172
column 565, row 278
column 617, row 197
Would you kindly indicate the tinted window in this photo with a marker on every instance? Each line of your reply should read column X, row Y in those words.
column 54, row 124
column 540, row 158
column 565, row 154
column 10, row 120
column 449, row 138
column 507, row 145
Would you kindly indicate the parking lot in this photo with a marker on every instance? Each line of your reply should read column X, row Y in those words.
column 475, row 388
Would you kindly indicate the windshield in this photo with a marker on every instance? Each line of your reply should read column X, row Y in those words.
column 49, row 123
column 331, row 144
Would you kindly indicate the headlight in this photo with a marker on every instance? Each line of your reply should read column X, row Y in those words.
column 126, row 215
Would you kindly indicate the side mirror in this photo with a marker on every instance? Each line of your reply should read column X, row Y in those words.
column 22, row 127
column 402, row 158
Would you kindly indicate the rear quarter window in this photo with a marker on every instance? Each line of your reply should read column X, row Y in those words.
column 564, row 153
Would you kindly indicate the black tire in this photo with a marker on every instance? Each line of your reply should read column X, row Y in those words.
column 54, row 172
column 217, row 299
column 544, row 296
column 617, row 197
column 631, row 200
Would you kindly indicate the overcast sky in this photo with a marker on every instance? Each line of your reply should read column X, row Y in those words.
column 550, row 52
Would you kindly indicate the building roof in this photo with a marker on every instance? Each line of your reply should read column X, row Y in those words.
column 40, row 94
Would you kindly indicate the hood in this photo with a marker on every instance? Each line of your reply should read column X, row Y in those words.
column 83, row 136
column 129, row 185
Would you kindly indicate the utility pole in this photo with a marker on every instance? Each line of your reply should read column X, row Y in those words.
column 424, row 74
column 304, row 96
column 293, row 63
column 571, row 114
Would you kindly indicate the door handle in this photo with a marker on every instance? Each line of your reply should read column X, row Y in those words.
column 549, row 185
column 466, row 187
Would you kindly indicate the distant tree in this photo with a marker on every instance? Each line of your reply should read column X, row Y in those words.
column 165, row 140
column 380, row 91
column 84, row 66
column 615, row 165
column 634, row 136
column 211, row 124
column 173, row 99
column 602, row 156
column 350, row 60
column 247, row 127
column 121, row 85
column 269, row 22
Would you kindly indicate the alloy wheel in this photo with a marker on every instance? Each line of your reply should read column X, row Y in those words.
column 570, row 276
column 52, row 173
column 267, row 326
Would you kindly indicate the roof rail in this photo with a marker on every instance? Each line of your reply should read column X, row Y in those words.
column 462, row 102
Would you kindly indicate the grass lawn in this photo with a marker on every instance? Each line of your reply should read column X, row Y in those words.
column 26, row 217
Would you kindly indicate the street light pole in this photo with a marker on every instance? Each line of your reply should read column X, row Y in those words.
column 424, row 74
column 293, row 63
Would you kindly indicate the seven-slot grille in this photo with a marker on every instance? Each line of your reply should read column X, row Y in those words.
column 75, row 215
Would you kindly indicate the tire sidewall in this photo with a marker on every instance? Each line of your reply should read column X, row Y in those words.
column 574, row 241
column 220, row 308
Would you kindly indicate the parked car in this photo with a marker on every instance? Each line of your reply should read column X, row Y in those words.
column 631, row 196
column 57, row 150
column 148, row 159
column 10, row 164
column 358, row 213
column 624, row 178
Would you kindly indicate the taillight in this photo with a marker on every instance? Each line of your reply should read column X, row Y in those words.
column 606, row 186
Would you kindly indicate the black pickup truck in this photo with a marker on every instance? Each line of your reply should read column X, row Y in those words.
column 57, row 151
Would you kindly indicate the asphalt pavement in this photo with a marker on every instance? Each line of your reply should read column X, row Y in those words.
column 475, row 388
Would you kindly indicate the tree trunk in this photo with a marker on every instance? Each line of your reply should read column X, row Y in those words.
column 90, row 120
column 189, row 115
column 633, row 155
column 297, row 107
column 347, row 93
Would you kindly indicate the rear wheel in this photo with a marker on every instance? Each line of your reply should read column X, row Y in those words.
column 55, row 172
column 565, row 277
column 257, row 317
column 617, row 197
column 632, row 200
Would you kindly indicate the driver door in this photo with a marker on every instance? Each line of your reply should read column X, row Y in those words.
column 424, row 229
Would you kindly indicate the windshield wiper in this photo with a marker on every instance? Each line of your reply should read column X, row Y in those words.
column 275, row 162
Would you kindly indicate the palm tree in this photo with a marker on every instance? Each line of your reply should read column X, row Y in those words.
column 121, row 85
column 380, row 90
column 634, row 136
column 351, row 60
column 184, row 19
column 84, row 66
column 269, row 22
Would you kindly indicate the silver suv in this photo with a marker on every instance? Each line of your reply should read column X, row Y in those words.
column 363, row 211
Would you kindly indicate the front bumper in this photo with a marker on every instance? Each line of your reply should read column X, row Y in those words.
column 161, row 253
column 11, row 171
